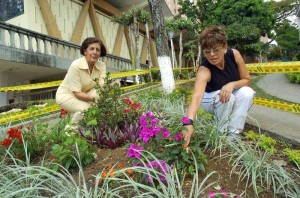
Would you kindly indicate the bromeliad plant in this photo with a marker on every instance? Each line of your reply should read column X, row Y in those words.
column 111, row 121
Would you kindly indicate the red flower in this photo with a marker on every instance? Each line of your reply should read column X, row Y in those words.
column 20, row 140
column 127, row 101
column 6, row 142
column 126, row 110
column 136, row 105
column 63, row 112
column 14, row 133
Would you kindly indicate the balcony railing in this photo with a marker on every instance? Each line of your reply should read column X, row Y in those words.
column 23, row 39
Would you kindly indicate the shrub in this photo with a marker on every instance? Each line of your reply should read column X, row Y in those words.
column 112, row 121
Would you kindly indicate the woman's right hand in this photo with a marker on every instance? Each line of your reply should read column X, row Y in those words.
column 187, row 134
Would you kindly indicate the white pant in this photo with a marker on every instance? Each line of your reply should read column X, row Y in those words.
column 76, row 106
column 230, row 116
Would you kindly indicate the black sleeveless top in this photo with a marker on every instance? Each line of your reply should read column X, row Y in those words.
column 219, row 77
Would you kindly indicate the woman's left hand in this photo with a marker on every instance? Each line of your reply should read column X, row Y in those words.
column 226, row 92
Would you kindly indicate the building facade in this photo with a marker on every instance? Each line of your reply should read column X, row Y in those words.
column 40, row 44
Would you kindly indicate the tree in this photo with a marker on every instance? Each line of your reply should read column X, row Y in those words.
column 144, row 18
column 287, row 39
column 182, row 24
column 162, row 48
column 283, row 10
column 244, row 20
column 129, row 19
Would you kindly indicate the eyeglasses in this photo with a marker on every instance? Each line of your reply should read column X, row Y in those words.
column 214, row 50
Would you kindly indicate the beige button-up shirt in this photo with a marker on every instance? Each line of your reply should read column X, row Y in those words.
column 79, row 79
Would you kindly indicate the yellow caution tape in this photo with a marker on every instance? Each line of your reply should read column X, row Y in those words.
column 291, row 107
column 129, row 73
column 133, row 86
column 274, row 67
column 31, row 86
column 27, row 114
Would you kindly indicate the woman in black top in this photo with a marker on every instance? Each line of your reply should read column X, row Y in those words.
column 221, row 85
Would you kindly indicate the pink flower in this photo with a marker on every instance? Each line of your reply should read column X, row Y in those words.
column 178, row 136
column 134, row 151
column 185, row 120
column 165, row 133
column 211, row 194
column 224, row 193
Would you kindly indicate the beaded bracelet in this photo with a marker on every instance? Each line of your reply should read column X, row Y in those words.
column 186, row 121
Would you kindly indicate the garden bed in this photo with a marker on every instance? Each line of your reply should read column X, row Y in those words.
column 152, row 166
column 226, row 180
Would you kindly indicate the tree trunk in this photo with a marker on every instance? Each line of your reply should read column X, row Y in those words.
column 148, row 45
column 162, row 48
column 137, row 40
column 198, row 61
column 181, row 50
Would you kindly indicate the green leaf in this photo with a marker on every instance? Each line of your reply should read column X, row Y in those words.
column 176, row 151
column 67, row 165
column 192, row 169
column 88, row 132
column 55, row 167
column 92, row 122
column 69, row 140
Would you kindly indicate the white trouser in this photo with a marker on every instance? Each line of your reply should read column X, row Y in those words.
column 230, row 116
column 76, row 106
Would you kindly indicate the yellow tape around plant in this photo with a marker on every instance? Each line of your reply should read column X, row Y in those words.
column 28, row 113
column 290, row 107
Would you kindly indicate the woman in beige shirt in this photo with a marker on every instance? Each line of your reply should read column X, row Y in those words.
column 76, row 93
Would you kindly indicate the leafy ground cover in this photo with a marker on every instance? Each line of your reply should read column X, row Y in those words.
column 119, row 159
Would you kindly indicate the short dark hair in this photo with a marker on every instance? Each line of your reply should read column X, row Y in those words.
column 212, row 36
column 85, row 44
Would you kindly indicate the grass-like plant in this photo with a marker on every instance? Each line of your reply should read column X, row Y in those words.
column 256, row 168
column 21, row 179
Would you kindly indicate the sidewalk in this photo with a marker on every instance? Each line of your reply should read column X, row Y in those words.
column 282, row 125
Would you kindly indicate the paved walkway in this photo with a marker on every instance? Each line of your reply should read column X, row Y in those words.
column 280, row 124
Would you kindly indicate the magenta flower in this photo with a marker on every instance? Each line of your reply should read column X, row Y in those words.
column 224, row 193
column 149, row 114
column 134, row 151
column 185, row 120
column 154, row 122
column 165, row 133
column 178, row 136
column 211, row 194
column 149, row 179
column 143, row 121
column 163, row 169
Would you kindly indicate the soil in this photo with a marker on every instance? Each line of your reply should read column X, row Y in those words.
column 106, row 157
